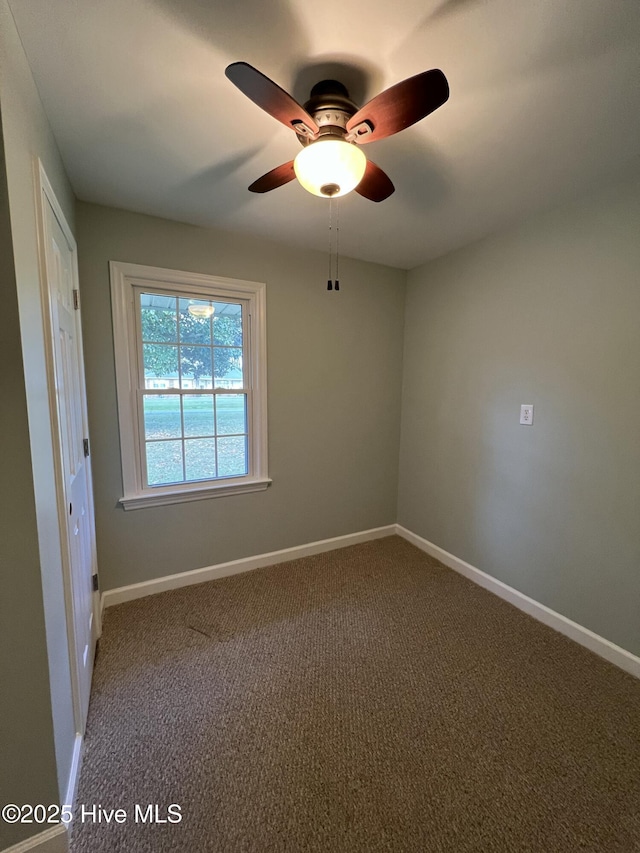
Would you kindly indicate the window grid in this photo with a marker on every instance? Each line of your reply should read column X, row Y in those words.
column 183, row 438
column 181, row 392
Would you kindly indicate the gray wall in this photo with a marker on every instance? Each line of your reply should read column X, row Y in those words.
column 32, row 591
column 548, row 314
column 334, row 366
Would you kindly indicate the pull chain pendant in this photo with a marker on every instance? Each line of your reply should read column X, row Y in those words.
column 336, row 284
column 333, row 284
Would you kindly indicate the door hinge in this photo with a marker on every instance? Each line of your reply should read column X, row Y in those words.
column 85, row 445
column 95, row 583
column 76, row 299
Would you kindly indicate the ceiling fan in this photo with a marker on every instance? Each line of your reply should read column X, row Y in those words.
column 332, row 128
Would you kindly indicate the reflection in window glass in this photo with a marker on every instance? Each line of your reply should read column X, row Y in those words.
column 195, row 321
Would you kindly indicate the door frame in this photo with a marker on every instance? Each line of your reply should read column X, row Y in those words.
column 45, row 195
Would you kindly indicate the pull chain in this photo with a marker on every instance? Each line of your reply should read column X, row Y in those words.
column 331, row 284
column 337, row 281
column 329, row 281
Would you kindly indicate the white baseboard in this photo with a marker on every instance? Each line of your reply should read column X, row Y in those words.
column 53, row 840
column 604, row 648
column 209, row 573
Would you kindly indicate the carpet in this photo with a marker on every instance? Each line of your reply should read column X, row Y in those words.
column 362, row 700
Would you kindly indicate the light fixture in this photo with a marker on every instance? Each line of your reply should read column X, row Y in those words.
column 330, row 167
column 202, row 310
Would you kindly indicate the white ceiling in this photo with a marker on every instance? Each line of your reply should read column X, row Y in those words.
column 544, row 103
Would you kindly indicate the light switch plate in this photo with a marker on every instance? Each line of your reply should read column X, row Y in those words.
column 526, row 414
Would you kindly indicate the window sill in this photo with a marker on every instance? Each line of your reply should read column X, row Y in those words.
column 159, row 498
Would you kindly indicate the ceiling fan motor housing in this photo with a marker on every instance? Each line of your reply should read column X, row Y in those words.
column 331, row 108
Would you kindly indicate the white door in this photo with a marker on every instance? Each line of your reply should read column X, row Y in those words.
column 69, row 420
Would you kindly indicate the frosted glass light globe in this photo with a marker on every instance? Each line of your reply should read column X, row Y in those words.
column 330, row 168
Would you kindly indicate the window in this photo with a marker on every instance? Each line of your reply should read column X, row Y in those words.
column 190, row 355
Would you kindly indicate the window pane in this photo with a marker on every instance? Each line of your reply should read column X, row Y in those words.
column 227, row 363
column 232, row 456
column 195, row 325
column 200, row 458
column 162, row 416
column 231, row 414
column 160, row 363
column 195, row 363
column 164, row 462
column 158, row 317
column 213, row 329
column 198, row 414
column 227, row 324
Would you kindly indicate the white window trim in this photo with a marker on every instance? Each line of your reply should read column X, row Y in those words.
column 124, row 277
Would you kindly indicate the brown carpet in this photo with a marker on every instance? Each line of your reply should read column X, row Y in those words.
column 363, row 700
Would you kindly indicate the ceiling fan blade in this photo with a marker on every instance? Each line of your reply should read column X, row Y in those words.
column 277, row 177
column 376, row 184
column 400, row 106
column 271, row 98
